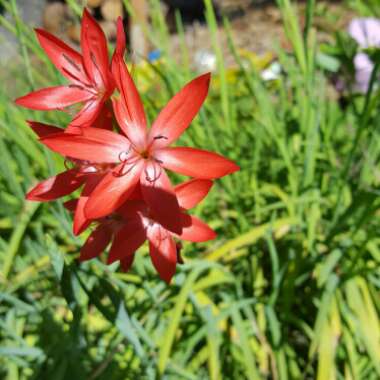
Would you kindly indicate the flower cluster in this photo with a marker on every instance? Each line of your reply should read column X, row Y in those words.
column 366, row 33
column 117, row 161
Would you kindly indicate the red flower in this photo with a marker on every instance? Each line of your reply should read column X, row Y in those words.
column 135, row 222
column 142, row 155
column 89, row 73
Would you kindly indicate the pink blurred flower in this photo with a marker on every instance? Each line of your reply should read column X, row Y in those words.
column 366, row 32
column 363, row 71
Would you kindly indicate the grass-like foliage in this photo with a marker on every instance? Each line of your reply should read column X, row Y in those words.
column 288, row 290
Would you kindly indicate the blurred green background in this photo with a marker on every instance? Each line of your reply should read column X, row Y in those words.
column 288, row 290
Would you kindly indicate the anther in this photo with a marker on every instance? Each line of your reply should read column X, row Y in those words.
column 160, row 137
column 123, row 156
column 76, row 86
column 156, row 175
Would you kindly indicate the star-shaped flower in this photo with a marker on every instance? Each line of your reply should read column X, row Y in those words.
column 134, row 223
column 140, row 155
column 89, row 73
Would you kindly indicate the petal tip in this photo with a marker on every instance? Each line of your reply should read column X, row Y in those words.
column 76, row 230
column 19, row 101
column 86, row 13
column 234, row 168
column 167, row 278
column 39, row 32
column 111, row 259
column 24, row 101
column 31, row 197
column 206, row 78
column 81, row 259
column 34, row 194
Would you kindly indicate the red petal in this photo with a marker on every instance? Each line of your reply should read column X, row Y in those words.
column 120, row 37
column 126, row 263
column 137, row 194
column 195, row 230
column 195, row 162
column 43, row 130
column 89, row 144
column 163, row 252
column 53, row 98
column 113, row 191
column 132, row 208
column 70, row 205
column 55, row 187
column 88, row 115
column 180, row 111
column 66, row 59
column 129, row 110
column 104, row 119
column 190, row 193
column 81, row 222
column 159, row 194
column 96, row 243
column 129, row 238
column 94, row 50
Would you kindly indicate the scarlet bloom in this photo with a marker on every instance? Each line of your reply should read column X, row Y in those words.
column 135, row 222
column 125, row 188
column 141, row 155
column 90, row 74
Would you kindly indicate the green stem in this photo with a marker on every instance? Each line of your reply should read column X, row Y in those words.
column 363, row 122
column 309, row 20
column 16, row 238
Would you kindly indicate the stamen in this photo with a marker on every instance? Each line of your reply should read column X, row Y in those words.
column 76, row 86
column 128, row 162
column 123, row 156
column 159, row 137
column 156, row 175
column 121, row 172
